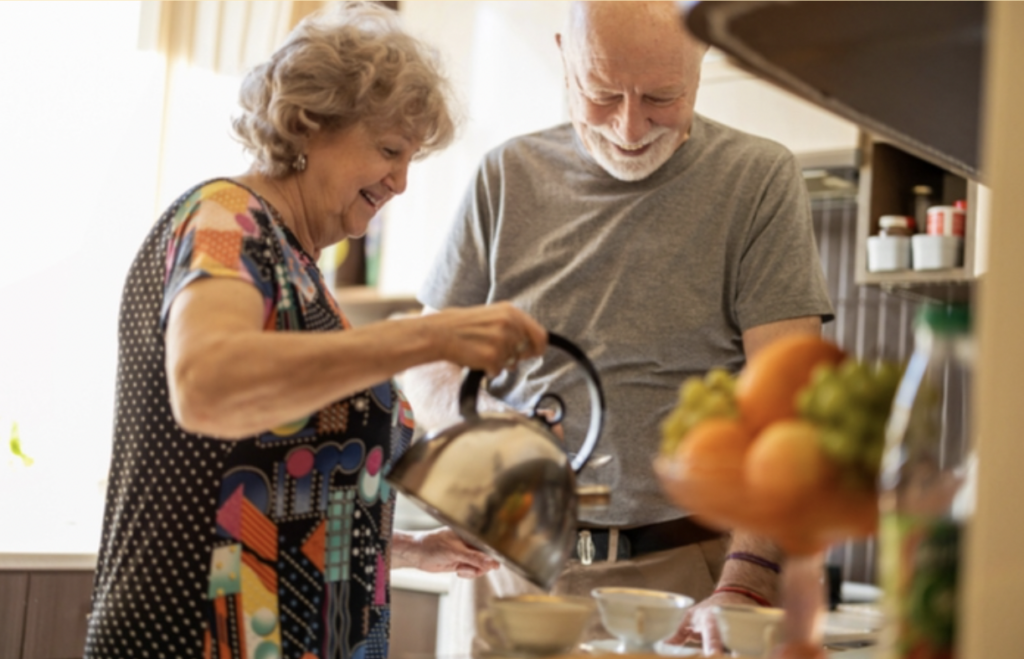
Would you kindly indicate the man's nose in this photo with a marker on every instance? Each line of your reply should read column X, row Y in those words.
column 632, row 121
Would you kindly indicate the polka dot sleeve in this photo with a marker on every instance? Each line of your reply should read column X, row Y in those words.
column 221, row 230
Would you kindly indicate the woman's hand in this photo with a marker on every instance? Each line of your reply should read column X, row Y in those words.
column 439, row 551
column 490, row 338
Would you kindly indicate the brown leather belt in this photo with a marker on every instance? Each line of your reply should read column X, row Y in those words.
column 592, row 543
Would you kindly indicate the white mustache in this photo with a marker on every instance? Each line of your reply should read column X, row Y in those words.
column 652, row 136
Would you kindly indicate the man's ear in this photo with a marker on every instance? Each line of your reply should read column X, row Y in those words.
column 565, row 65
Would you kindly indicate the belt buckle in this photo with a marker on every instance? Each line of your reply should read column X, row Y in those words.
column 585, row 548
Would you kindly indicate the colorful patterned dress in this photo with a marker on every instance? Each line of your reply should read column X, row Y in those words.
column 272, row 546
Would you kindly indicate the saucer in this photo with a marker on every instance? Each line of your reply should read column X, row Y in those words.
column 517, row 654
column 851, row 625
column 611, row 645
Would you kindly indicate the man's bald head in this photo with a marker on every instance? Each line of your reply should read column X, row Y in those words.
column 648, row 29
column 632, row 72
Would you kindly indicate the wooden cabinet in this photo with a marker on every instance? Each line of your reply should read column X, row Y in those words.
column 887, row 177
column 44, row 615
column 13, row 598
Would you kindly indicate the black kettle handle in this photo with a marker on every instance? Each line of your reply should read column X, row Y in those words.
column 471, row 387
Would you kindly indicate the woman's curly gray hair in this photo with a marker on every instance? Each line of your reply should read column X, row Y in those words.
column 338, row 67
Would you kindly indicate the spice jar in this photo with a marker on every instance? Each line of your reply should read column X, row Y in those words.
column 895, row 225
column 890, row 249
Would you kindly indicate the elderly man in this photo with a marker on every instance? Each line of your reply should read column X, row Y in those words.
column 664, row 244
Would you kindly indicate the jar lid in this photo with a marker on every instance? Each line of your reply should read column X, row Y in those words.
column 890, row 221
column 922, row 189
column 945, row 318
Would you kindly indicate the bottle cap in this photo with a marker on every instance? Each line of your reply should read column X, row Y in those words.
column 945, row 318
column 922, row 189
column 960, row 204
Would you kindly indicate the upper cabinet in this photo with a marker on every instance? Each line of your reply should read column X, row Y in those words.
column 909, row 74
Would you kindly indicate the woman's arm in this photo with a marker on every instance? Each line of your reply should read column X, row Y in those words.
column 230, row 379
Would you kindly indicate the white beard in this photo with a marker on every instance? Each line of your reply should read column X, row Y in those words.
column 605, row 150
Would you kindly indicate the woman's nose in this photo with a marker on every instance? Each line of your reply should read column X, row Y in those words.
column 398, row 179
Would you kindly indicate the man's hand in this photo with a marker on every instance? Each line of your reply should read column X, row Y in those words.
column 700, row 625
column 439, row 551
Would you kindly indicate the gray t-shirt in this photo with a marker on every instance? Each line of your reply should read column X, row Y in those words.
column 654, row 280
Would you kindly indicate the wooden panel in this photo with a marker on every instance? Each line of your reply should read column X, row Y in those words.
column 13, row 596
column 55, row 618
column 413, row 624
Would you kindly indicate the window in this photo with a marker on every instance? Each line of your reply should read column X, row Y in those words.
column 82, row 117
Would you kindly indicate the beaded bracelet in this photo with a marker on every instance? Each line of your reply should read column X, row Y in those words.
column 749, row 594
column 755, row 559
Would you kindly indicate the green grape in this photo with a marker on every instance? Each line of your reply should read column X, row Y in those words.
column 721, row 380
column 831, row 401
column 856, row 379
column 821, row 373
column 839, row 446
column 693, row 392
column 855, row 422
column 717, row 403
column 699, row 399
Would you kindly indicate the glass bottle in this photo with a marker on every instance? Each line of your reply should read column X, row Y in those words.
column 923, row 198
column 922, row 487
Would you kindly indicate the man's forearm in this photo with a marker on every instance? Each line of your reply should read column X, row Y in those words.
column 756, row 576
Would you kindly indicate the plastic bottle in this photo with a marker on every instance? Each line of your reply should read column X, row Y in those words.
column 922, row 488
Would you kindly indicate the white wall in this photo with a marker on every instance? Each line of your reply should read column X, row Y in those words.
column 507, row 73
column 738, row 99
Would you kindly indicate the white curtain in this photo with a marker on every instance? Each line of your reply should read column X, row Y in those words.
column 205, row 48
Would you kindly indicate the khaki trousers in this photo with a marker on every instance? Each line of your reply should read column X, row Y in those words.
column 693, row 570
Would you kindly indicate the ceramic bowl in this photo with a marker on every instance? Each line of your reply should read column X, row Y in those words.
column 640, row 618
column 535, row 624
column 751, row 631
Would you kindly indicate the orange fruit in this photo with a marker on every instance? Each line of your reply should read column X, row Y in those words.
column 708, row 469
column 766, row 389
column 785, row 464
column 716, row 444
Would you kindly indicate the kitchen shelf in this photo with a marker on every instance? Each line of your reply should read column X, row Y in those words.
column 887, row 177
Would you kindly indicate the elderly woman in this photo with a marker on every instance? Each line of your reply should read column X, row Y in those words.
column 246, row 513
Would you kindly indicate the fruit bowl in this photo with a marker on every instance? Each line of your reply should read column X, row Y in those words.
column 806, row 526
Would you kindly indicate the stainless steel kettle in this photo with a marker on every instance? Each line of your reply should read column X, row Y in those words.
column 502, row 481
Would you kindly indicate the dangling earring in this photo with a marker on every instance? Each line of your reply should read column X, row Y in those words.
column 299, row 164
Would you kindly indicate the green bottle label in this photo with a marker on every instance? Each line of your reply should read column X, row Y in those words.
column 919, row 558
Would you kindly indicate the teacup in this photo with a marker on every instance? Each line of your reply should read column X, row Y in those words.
column 640, row 618
column 534, row 624
column 751, row 631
